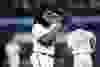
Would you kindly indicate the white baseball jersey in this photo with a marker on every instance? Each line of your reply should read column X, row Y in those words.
column 79, row 39
column 45, row 60
column 38, row 30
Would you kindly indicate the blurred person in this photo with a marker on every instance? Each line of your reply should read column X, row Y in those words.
column 14, row 48
column 81, row 47
column 5, row 38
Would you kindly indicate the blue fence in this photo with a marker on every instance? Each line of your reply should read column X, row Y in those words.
column 16, row 24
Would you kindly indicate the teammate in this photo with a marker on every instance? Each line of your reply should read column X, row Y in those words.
column 78, row 40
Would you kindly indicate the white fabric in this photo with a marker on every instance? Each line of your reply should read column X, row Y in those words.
column 82, row 60
column 38, row 30
column 12, row 48
column 34, row 60
column 12, row 51
column 79, row 39
column 14, row 61
column 38, row 59
column 39, row 48
column 46, row 61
